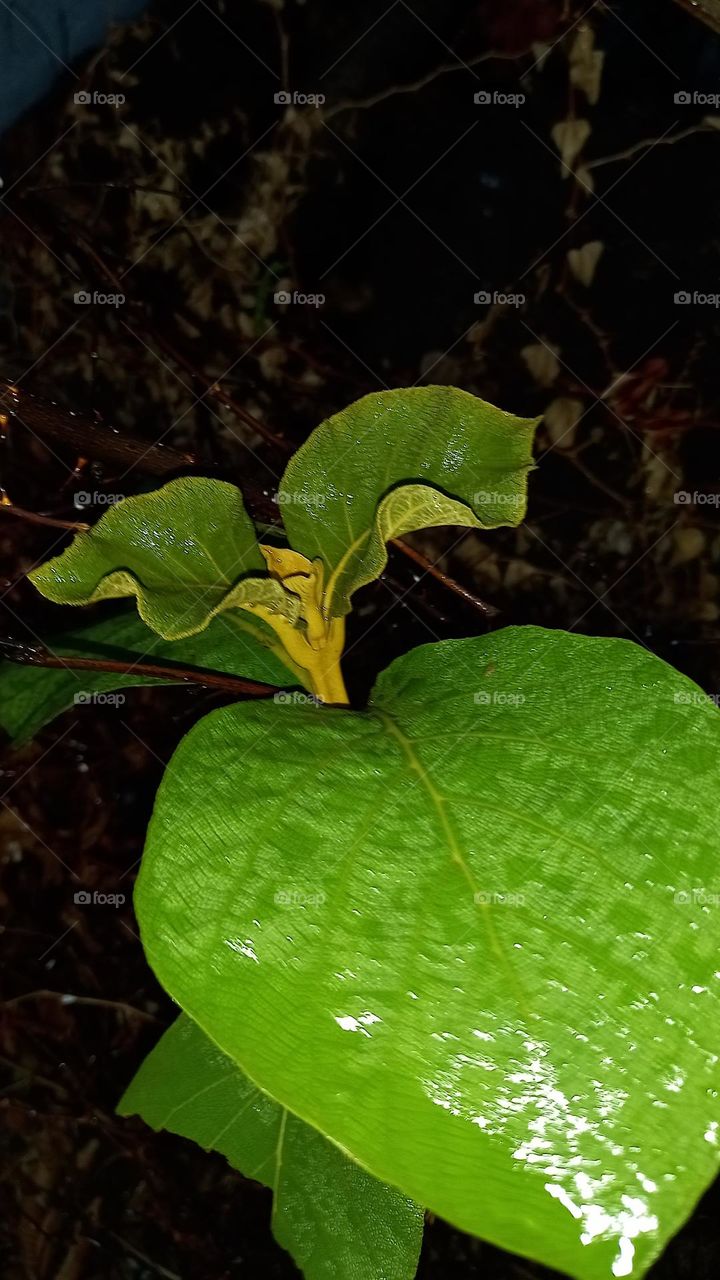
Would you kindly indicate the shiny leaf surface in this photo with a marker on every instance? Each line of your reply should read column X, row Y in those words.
column 397, row 461
column 184, row 551
column 31, row 697
column 337, row 1221
column 470, row 935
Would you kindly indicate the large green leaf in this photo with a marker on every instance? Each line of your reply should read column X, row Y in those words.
column 337, row 1221
column 187, row 551
column 471, row 935
column 31, row 697
column 396, row 461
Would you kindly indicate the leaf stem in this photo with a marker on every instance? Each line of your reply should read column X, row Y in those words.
column 329, row 686
column 38, row 656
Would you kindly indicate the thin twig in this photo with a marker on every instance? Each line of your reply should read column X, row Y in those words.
column 630, row 151
column 66, row 998
column 413, row 86
column 427, row 566
column 36, row 656
column 143, row 1257
column 33, row 517
column 706, row 10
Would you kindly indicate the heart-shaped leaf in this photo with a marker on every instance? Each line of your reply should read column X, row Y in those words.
column 31, row 697
column 394, row 462
column 471, row 935
column 337, row 1221
column 187, row 551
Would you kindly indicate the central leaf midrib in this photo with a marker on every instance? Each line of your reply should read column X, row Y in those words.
column 438, row 804
column 367, row 532
column 279, row 1148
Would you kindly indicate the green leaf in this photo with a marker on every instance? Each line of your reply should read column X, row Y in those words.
column 31, row 697
column 397, row 461
column 472, row 935
column 337, row 1221
column 185, row 551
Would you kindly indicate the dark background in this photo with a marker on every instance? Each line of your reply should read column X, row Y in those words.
column 399, row 199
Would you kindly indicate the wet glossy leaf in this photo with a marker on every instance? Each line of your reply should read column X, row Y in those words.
column 397, row 461
column 186, row 551
column 470, row 935
column 31, row 697
column 337, row 1221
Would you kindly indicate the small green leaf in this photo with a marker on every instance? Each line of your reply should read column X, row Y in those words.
column 31, row 697
column 471, row 935
column 397, row 461
column 185, row 551
column 337, row 1221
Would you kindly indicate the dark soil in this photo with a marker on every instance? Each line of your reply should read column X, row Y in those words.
column 399, row 200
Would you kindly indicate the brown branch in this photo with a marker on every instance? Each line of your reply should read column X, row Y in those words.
column 36, row 656
column 44, row 418
column 47, row 420
column 708, row 10
column 427, row 566
column 34, row 517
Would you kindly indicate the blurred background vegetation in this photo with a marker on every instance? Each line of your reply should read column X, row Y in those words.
column 507, row 195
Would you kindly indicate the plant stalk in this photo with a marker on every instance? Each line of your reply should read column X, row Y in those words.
column 36, row 656
column 329, row 686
